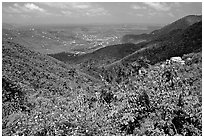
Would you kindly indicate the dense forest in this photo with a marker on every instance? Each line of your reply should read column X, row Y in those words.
column 135, row 90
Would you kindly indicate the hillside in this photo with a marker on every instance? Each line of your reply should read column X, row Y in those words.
column 168, row 35
column 44, row 97
column 180, row 24
column 119, row 90
column 105, row 55
column 189, row 40
column 29, row 77
column 174, row 43
column 186, row 41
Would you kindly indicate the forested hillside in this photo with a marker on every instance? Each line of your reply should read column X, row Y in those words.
column 42, row 96
column 119, row 90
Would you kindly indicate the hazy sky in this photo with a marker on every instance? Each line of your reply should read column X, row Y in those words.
column 97, row 12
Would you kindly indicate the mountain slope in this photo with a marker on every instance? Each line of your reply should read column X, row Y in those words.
column 186, row 41
column 28, row 76
column 172, row 33
column 190, row 40
column 42, row 96
column 172, row 40
column 178, row 25
column 105, row 55
column 182, row 24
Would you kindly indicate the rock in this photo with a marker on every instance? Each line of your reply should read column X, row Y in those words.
column 178, row 60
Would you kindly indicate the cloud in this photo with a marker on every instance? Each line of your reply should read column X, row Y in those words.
column 97, row 12
column 138, row 7
column 159, row 6
column 32, row 6
column 67, row 13
column 55, row 5
column 67, row 5
column 16, row 5
column 80, row 5
column 20, row 9
column 77, row 8
column 11, row 10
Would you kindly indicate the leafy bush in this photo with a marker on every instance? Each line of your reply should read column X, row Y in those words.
column 54, row 100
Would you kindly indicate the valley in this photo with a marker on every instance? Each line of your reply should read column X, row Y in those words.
column 82, row 39
column 102, row 80
column 181, row 37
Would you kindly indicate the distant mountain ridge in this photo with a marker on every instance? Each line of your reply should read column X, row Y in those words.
column 157, row 47
column 187, row 41
column 180, row 24
column 172, row 33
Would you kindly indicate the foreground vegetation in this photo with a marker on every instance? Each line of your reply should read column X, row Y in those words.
column 126, row 89
column 163, row 99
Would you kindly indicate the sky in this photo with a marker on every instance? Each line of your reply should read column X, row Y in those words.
column 97, row 12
